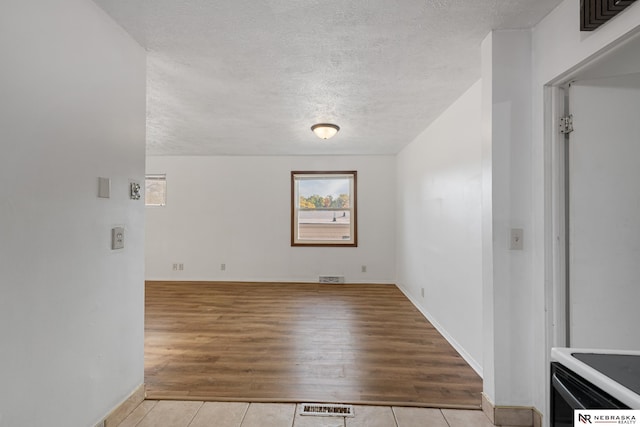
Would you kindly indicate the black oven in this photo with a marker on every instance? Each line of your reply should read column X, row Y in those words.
column 569, row 391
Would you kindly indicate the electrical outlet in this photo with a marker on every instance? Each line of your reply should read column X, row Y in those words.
column 364, row 268
column 117, row 238
column 180, row 266
column 175, row 266
column 223, row 267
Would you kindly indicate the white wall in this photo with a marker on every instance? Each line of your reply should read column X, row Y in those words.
column 439, row 224
column 236, row 211
column 72, row 108
column 516, row 359
column 559, row 48
column 604, row 211
column 508, row 294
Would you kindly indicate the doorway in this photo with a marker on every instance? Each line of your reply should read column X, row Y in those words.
column 598, row 203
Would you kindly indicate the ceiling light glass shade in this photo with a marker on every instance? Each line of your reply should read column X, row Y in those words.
column 325, row 130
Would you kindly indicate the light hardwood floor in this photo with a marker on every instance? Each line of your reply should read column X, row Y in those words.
column 260, row 342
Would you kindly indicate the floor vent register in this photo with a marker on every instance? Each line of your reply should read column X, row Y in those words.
column 331, row 279
column 326, row 410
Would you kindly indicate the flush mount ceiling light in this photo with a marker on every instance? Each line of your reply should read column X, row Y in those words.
column 325, row 130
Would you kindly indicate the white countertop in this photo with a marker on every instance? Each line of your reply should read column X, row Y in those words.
column 564, row 356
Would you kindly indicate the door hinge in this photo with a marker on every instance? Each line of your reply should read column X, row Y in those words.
column 566, row 124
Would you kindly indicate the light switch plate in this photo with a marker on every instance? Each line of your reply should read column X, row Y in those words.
column 515, row 240
column 104, row 188
column 117, row 238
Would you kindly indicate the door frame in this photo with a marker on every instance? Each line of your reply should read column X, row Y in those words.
column 556, row 105
column 556, row 239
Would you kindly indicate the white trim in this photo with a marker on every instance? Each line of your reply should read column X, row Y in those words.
column 304, row 280
column 555, row 235
column 459, row 348
column 556, row 304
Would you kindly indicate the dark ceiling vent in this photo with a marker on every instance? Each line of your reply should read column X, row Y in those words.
column 594, row 13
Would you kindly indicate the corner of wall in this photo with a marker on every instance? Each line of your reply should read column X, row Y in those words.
column 477, row 367
column 126, row 407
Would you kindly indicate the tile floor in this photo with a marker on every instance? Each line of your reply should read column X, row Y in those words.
column 166, row 413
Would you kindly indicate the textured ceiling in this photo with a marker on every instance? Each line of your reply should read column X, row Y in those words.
column 249, row 77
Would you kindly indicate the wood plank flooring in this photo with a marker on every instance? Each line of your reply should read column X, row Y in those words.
column 265, row 342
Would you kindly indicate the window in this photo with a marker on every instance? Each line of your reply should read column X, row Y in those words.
column 323, row 209
column 155, row 190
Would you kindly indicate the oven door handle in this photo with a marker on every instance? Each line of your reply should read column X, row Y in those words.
column 565, row 393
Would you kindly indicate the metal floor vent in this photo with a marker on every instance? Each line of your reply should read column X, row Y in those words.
column 326, row 410
column 331, row 279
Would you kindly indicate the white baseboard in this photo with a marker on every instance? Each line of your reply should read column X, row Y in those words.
column 122, row 411
column 460, row 349
column 266, row 280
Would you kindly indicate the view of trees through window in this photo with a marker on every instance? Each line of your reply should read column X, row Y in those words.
column 318, row 202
